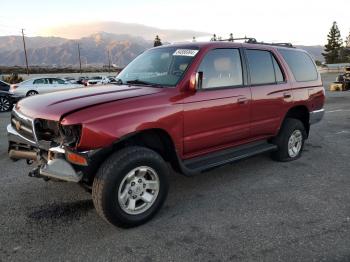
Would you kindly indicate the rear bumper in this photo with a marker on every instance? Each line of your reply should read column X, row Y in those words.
column 316, row 116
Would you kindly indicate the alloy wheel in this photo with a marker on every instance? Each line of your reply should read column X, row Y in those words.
column 138, row 190
column 295, row 143
column 4, row 104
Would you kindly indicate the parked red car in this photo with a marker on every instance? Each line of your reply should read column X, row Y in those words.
column 195, row 106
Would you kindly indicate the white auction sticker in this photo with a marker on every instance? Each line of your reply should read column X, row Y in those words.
column 185, row 52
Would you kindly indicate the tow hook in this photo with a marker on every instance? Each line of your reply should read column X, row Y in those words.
column 36, row 173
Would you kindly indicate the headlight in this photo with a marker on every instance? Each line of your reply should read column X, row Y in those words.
column 46, row 130
column 70, row 134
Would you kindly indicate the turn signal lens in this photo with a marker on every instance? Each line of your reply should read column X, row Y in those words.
column 76, row 159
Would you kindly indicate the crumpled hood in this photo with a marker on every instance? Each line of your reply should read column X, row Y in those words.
column 53, row 106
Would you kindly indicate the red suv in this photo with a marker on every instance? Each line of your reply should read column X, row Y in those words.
column 193, row 106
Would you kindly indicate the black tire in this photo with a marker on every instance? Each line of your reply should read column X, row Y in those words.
column 289, row 127
column 110, row 176
column 5, row 104
column 32, row 93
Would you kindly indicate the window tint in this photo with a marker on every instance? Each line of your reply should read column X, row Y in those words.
column 55, row 81
column 278, row 71
column 221, row 68
column 301, row 65
column 40, row 81
column 260, row 67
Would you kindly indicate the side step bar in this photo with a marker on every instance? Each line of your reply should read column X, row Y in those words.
column 207, row 162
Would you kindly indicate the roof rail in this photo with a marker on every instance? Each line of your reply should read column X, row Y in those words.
column 251, row 40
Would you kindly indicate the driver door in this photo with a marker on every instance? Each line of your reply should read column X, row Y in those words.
column 218, row 115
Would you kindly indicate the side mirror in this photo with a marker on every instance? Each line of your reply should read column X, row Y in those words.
column 195, row 81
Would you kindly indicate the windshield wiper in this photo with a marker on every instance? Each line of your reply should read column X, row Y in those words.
column 140, row 82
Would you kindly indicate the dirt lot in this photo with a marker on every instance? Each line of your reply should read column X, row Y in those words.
column 254, row 210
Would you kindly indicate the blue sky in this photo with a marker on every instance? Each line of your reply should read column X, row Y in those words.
column 298, row 21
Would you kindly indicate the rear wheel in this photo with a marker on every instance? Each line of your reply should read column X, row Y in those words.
column 32, row 93
column 290, row 140
column 130, row 187
column 5, row 104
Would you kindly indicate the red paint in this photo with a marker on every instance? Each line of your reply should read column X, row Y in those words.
column 198, row 122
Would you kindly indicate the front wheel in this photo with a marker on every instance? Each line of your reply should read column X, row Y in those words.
column 290, row 140
column 130, row 186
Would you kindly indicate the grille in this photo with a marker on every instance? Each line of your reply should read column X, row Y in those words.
column 23, row 125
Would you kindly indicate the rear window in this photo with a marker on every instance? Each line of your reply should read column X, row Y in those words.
column 301, row 65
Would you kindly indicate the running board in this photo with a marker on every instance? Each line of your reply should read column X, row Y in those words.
column 203, row 163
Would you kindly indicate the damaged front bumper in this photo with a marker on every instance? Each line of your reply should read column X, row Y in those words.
column 52, row 162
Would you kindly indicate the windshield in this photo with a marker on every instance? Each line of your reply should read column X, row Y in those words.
column 160, row 67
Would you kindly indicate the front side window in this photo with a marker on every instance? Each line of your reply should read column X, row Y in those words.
column 221, row 68
column 163, row 66
column 301, row 65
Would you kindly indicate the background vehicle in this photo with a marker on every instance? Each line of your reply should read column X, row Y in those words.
column 4, row 86
column 97, row 80
column 69, row 79
column 82, row 80
column 112, row 79
column 41, row 85
column 191, row 106
column 342, row 82
column 7, row 100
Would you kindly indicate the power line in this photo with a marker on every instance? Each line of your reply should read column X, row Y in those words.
column 109, row 61
column 79, row 57
column 25, row 51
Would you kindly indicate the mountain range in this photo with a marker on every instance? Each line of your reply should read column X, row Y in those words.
column 122, row 44
column 48, row 51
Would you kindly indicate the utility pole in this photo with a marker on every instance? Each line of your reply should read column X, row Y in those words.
column 79, row 57
column 109, row 61
column 25, row 51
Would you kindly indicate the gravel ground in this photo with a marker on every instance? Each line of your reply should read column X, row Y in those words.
column 254, row 210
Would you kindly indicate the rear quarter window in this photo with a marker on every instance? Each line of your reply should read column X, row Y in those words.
column 301, row 65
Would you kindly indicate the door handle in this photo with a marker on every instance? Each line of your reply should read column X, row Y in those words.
column 242, row 100
column 287, row 95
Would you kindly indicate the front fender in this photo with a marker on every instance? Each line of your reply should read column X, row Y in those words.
column 105, row 124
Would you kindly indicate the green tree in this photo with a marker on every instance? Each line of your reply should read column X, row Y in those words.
column 194, row 39
column 213, row 38
column 157, row 41
column 333, row 47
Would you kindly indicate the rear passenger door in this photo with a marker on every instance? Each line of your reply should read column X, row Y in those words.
column 271, row 93
column 40, row 85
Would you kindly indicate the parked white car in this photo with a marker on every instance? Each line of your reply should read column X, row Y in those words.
column 98, row 80
column 41, row 85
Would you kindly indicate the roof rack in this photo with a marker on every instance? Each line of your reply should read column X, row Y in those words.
column 251, row 40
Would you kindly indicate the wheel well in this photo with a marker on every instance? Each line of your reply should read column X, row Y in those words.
column 31, row 91
column 301, row 113
column 155, row 139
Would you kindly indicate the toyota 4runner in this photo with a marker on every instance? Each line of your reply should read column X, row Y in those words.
column 194, row 106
